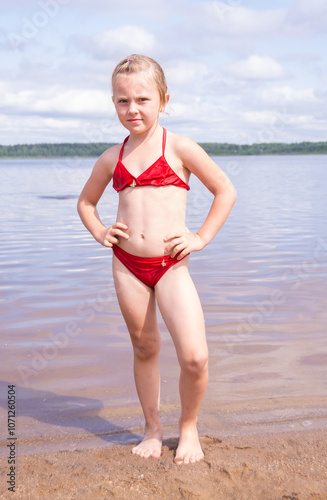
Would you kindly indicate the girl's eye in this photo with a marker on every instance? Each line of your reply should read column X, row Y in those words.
column 143, row 99
column 121, row 101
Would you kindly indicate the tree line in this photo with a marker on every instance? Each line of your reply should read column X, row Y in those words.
column 95, row 149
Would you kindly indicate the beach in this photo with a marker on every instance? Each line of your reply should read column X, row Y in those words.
column 290, row 465
column 66, row 350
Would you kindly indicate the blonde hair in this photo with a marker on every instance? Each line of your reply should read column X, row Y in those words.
column 137, row 63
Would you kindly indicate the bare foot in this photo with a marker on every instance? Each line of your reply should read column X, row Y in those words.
column 189, row 448
column 150, row 446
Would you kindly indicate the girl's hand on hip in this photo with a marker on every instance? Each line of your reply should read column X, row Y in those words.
column 183, row 244
column 110, row 236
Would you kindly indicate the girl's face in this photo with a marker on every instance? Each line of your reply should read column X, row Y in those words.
column 137, row 101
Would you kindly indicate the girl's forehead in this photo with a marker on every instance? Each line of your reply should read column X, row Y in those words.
column 134, row 82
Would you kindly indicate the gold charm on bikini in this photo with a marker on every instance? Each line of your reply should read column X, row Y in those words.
column 163, row 263
column 133, row 184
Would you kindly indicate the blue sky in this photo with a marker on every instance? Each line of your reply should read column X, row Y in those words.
column 240, row 71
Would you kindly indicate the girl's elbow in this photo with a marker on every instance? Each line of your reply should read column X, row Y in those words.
column 233, row 194
column 78, row 205
column 230, row 194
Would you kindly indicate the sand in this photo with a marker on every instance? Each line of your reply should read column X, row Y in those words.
column 286, row 465
column 263, row 428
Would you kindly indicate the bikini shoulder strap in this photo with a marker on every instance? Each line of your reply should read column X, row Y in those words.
column 164, row 136
column 122, row 148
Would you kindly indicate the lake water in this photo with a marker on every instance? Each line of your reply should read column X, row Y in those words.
column 262, row 283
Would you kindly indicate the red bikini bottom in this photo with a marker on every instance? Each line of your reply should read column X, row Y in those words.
column 149, row 270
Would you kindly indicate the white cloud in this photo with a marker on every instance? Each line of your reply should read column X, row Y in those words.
column 236, row 20
column 307, row 17
column 233, row 71
column 288, row 96
column 185, row 73
column 118, row 42
column 260, row 118
column 123, row 6
column 230, row 19
column 56, row 101
column 125, row 39
column 256, row 68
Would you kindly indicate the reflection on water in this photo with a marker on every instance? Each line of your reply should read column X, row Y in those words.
column 262, row 279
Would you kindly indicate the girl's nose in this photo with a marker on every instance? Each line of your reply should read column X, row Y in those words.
column 132, row 108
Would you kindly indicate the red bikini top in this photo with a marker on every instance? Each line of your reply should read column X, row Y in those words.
column 158, row 174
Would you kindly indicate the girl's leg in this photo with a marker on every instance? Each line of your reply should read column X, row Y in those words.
column 182, row 312
column 137, row 304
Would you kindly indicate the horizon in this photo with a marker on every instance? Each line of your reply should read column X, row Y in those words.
column 199, row 142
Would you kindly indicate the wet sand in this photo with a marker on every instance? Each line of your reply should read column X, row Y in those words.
column 263, row 427
column 286, row 466
column 263, row 424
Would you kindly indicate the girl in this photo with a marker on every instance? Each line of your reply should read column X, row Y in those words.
column 151, row 244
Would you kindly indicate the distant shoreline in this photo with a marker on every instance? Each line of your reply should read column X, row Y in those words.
column 91, row 150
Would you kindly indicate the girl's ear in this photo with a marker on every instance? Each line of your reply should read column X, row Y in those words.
column 163, row 107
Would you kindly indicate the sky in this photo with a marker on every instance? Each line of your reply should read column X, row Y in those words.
column 238, row 71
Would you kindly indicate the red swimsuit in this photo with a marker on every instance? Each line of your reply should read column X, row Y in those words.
column 158, row 174
column 148, row 270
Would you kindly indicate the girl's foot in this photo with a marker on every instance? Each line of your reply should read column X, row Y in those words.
column 151, row 444
column 189, row 448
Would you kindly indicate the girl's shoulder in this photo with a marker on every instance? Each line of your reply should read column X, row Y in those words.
column 109, row 158
column 179, row 142
column 183, row 146
column 177, row 139
column 111, row 154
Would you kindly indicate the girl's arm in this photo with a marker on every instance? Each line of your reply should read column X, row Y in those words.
column 196, row 160
column 90, row 196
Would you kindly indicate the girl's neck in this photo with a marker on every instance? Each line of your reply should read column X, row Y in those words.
column 136, row 140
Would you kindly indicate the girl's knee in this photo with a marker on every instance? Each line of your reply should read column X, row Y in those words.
column 196, row 363
column 145, row 348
